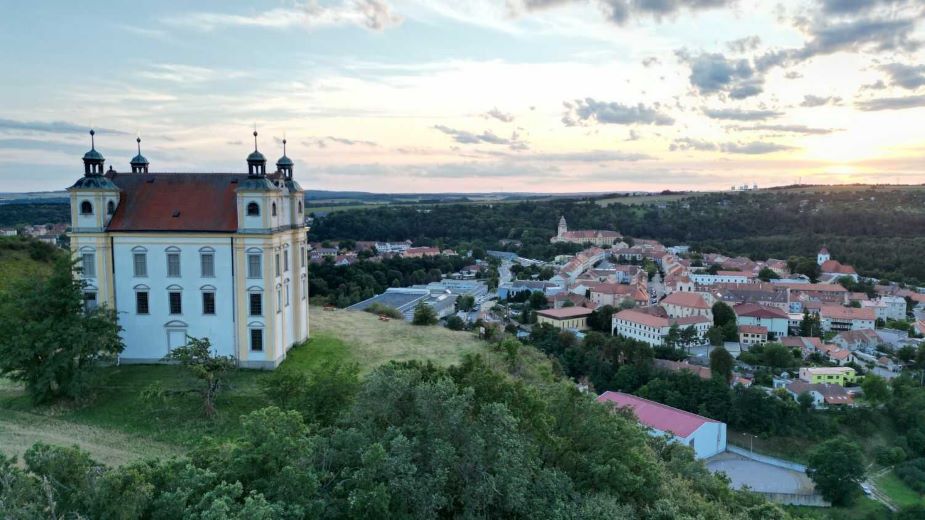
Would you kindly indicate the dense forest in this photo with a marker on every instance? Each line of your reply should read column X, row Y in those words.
column 879, row 232
column 35, row 213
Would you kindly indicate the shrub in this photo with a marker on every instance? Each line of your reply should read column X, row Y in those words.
column 384, row 310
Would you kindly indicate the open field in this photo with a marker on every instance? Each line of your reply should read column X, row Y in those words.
column 649, row 199
column 373, row 342
column 122, row 424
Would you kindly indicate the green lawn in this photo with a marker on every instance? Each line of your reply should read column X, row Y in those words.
column 901, row 494
column 863, row 509
column 123, row 422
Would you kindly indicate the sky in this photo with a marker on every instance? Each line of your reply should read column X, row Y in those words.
column 470, row 95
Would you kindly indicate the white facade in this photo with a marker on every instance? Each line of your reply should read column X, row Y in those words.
column 711, row 279
column 652, row 329
column 245, row 289
column 778, row 326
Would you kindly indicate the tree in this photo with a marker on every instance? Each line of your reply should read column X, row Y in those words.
column 538, row 300
column 688, row 337
column 721, row 363
column 875, row 389
column 766, row 274
column 723, row 314
column 320, row 393
column 424, row 315
column 209, row 367
column 808, row 267
column 716, row 336
column 837, row 468
column 811, row 325
column 50, row 341
column 455, row 323
column 673, row 338
column 465, row 302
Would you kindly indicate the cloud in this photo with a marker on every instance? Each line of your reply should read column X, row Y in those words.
column 793, row 75
column 738, row 114
column 743, row 45
column 810, row 100
column 650, row 61
column 796, row 129
column 590, row 156
column 487, row 137
column 499, row 115
column 322, row 142
column 53, row 127
column 891, row 103
column 841, row 7
column 712, row 73
column 590, row 111
column 906, row 76
column 687, row 143
column 753, row 148
column 621, row 11
column 371, row 14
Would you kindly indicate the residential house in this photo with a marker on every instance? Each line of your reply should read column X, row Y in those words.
column 752, row 335
column 683, row 304
column 652, row 329
column 864, row 339
column 565, row 318
column 775, row 320
column 705, row 278
column 807, row 345
column 839, row 318
column 707, row 437
column 614, row 294
column 836, row 354
column 823, row 394
column 833, row 375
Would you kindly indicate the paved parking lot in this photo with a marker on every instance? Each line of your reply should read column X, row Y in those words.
column 760, row 476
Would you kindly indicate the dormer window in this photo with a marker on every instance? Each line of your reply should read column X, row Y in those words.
column 253, row 210
column 86, row 208
column 110, row 207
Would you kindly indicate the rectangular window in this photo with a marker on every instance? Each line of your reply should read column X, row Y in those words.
column 286, row 261
column 140, row 264
column 88, row 262
column 173, row 264
column 256, row 304
column 277, row 264
column 279, row 300
column 287, row 295
column 304, row 288
column 141, row 302
column 257, row 339
column 89, row 300
column 208, row 303
column 207, row 264
column 253, row 266
column 176, row 302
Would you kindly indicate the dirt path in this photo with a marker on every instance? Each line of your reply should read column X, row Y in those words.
column 20, row 430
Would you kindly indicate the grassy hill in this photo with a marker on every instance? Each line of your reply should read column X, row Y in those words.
column 24, row 258
column 122, row 425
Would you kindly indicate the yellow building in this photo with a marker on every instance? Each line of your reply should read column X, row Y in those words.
column 832, row 375
column 565, row 318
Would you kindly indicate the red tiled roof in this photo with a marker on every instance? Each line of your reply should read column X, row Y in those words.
column 613, row 288
column 678, row 366
column 201, row 202
column 565, row 312
column 754, row 310
column 834, row 266
column 753, row 329
column 686, row 299
column 656, row 415
column 847, row 313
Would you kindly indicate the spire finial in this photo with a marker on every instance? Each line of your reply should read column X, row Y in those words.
column 138, row 140
column 284, row 145
column 92, row 139
column 255, row 138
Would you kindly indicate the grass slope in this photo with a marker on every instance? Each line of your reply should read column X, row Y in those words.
column 121, row 424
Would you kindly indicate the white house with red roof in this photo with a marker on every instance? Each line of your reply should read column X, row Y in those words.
column 683, row 304
column 651, row 328
column 706, row 436
column 221, row 256
column 838, row 318
column 773, row 319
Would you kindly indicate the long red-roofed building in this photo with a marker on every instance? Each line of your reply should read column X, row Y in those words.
column 706, row 436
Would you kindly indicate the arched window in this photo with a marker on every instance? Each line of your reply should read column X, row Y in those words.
column 253, row 210
column 86, row 208
column 110, row 207
column 273, row 207
column 300, row 207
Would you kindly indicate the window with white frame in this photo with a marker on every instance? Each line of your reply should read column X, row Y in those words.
column 208, row 302
column 88, row 263
column 207, row 263
column 255, row 304
column 90, row 300
column 253, row 265
column 142, row 304
column 173, row 263
column 140, row 264
column 175, row 301
column 256, row 339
